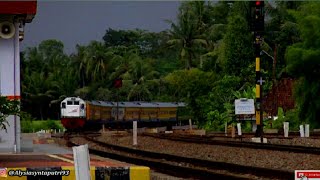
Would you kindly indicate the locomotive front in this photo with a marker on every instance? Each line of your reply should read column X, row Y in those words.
column 73, row 113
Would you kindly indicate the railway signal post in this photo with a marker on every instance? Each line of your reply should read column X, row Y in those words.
column 258, row 28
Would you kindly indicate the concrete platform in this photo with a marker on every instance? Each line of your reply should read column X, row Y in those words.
column 31, row 142
column 63, row 167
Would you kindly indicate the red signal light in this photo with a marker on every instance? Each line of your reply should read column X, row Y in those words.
column 258, row 3
column 118, row 83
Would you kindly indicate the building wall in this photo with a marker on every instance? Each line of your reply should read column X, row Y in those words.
column 10, row 86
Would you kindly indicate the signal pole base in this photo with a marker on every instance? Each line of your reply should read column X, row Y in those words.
column 258, row 131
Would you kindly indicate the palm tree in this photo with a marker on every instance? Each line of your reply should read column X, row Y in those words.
column 36, row 91
column 97, row 57
column 121, row 64
column 79, row 64
column 281, row 31
column 186, row 35
column 142, row 76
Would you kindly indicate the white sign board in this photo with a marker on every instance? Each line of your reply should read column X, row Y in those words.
column 244, row 106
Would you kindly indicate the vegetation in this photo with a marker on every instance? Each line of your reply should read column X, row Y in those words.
column 36, row 126
column 202, row 60
column 7, row 107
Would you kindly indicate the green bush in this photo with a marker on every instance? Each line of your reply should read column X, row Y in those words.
column 246, row 126
column 216, row 121
column 291, row 117
column 26, row 121
column 26, row 126
column 29, row 125
column 51, row 124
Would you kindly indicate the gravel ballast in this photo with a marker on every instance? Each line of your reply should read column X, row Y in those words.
column 242, row 156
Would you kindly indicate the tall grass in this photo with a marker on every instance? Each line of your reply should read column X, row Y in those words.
column 29, row 124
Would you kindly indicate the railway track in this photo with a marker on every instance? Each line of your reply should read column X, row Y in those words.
column 280, row 135
column 269, row 136
column 182, row 166
column 252, row 145
column 72, row 135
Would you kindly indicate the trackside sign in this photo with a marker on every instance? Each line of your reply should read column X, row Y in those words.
column 244, row 106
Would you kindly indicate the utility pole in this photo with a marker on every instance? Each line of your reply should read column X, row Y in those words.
column 117, row 105
column 258, row 27
column 275, row 99
column 118, row 84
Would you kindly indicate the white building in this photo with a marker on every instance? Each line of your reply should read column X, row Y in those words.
column 13, row 16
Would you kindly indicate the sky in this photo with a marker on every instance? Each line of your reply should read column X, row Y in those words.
column 79, row 22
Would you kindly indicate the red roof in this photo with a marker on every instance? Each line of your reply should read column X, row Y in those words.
column 27, row 8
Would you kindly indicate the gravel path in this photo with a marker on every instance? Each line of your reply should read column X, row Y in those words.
column 242, row 156
column 297, row 141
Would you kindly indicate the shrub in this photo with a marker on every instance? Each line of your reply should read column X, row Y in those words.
column 26, row 122
column 51, row 124
column 291, row 117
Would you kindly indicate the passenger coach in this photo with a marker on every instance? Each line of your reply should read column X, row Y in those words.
column 77, row 114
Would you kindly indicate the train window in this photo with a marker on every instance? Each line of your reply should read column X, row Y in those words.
column 82, row 106
column 76, row 102
column 69, row 102
column 63, row 105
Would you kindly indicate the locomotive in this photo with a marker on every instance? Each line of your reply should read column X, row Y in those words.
column 78, row 114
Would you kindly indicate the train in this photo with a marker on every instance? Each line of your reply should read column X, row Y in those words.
column 78, row 114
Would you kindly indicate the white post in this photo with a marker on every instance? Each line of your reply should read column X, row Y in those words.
column 254, row 127
column 226, row 129
column 81, row 162
column 301, row 131
column 102, row 128
column 190, row 124
column 135, row 133
column 307, row 130
column 239, row 129
column 16, row 84
column 233, row 133
column 286, row 129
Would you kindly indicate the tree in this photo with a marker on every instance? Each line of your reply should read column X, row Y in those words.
column 186, row 34
column 7, row 107
column 192, row 86
column 281, row 32
column 304, row 64
column 97, row 57
column 238, row 50
column 216, row 28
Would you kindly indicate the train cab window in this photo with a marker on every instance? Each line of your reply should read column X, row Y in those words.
column 82, row 106
column 76, row 102
column 69, row 102
column 63, row 105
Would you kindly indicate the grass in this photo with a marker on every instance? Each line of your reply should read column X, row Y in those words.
column 29, row 126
